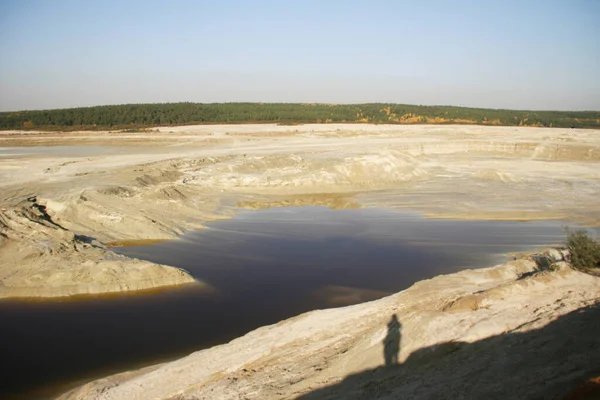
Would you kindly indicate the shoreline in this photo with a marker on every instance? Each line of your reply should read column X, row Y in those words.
column 176, row 182
column 327, row 347
column 66, row 386
column 59, row 214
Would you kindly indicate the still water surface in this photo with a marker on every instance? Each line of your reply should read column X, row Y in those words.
column 263, row 266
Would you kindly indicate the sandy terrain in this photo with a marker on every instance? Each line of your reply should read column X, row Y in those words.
column 519, row 330
column 60, row 206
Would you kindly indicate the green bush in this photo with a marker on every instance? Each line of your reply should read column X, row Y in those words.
column 585, row 251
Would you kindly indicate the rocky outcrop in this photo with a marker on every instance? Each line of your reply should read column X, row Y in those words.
column 524, row 329
column 41, row 258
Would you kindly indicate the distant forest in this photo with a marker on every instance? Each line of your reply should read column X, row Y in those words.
column 141, row 116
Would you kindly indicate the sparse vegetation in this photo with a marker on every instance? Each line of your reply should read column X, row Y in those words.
column 585, row 251
column 139, row 116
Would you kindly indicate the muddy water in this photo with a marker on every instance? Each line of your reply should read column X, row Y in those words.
column 263, row 266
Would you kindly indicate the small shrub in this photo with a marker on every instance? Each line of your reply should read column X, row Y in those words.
column 585, row 251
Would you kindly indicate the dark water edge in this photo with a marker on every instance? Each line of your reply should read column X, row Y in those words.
column 264, row 266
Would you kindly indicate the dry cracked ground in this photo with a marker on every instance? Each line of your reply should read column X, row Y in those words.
column 516, row 330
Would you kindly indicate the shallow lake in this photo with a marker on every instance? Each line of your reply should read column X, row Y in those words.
column 262, row 267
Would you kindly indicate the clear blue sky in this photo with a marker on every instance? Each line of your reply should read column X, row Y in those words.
column 522, row 54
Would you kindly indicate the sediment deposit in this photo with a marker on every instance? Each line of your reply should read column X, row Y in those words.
column 60, row 208
column 40, row 258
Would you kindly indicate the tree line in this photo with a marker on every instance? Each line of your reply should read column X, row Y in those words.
column 139, row 116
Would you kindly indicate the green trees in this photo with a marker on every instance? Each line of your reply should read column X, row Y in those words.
column 128, row 116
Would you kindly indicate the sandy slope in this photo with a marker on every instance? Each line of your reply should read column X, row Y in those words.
column 59, row 207
column 517, row 330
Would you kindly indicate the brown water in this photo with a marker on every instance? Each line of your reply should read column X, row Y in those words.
column 264, row 266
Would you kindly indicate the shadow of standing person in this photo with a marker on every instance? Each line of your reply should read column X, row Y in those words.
column 391, row 343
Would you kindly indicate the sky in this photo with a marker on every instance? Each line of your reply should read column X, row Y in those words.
column 517, row 54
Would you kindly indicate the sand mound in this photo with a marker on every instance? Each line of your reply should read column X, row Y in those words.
column 495, row 175
column 374, row 170
column 41, row 258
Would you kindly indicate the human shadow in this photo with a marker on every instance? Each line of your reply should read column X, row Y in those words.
column 545, row 363
column 391, row 343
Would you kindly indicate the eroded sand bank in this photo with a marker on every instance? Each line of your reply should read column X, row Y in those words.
column 58, row 211
column 525, row 329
